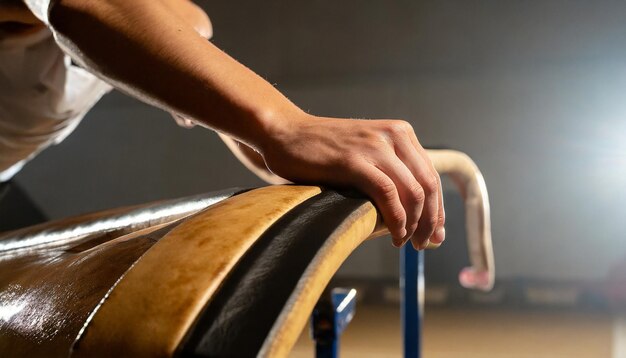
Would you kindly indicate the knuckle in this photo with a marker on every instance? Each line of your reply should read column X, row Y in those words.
column 418, row 193
column 400, row 127
column 396, row 218
column 386, row 189
column 408, row 127
column 431, row 184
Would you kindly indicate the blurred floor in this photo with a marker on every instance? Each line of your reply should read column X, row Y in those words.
column 375, row 332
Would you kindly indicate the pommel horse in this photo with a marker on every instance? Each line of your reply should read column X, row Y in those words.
column 232, row 273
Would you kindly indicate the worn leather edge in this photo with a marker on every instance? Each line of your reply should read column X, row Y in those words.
column 163, row 228
column 344, row 240
column 153, row 305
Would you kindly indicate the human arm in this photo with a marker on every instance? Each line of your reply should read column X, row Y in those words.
column 16, row 12
column 141, row 48
column 17, row 20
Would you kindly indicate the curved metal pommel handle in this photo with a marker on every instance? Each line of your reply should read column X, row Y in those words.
column 471, row 184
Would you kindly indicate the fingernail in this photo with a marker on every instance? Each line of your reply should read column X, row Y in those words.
column 402, row 233
column 424, row 244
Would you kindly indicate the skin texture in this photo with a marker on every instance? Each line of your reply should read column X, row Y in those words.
column 156, row 50
column 16, row 20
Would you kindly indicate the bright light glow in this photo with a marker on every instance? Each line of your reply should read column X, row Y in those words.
column 8, row 311
column 610, row 154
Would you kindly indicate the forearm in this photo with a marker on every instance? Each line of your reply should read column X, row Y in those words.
column 143, row 49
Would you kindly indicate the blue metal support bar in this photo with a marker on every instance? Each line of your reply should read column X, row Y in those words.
column 330, row 318
column 411, row 299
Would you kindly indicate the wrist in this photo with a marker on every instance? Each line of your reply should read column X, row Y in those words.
column 276, row 127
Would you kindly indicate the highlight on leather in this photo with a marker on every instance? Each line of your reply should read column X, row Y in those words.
column 47, row 297
column 106, row 224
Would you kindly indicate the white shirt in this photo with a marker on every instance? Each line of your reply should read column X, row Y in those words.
column 43, row 97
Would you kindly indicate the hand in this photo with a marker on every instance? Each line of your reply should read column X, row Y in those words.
column 382, row 158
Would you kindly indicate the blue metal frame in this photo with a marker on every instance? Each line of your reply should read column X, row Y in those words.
column 411, row 299
column 330, row 318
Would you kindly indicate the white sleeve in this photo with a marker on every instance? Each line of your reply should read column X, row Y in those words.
column 39, row 8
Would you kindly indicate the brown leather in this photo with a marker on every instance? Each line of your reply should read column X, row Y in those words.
column 155, row 303
column 53, row 276
column 267, row 298
column 140, row 294
column 48, row 296
column 155, row 290
column 95, row 228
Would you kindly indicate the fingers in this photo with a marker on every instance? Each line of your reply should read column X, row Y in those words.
column 428, row 181
column 440, row 232
column 429, row 220
column 381, row 188
column 410, row 192
column 382, row 158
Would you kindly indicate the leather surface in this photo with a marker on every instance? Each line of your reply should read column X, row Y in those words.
column 48, row 290
column 237, row 279
column 47, row 297
column 99, row 227
column 240, row 317
column 155, row 303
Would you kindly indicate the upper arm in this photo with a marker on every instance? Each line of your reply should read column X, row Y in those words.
column 15, row 11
